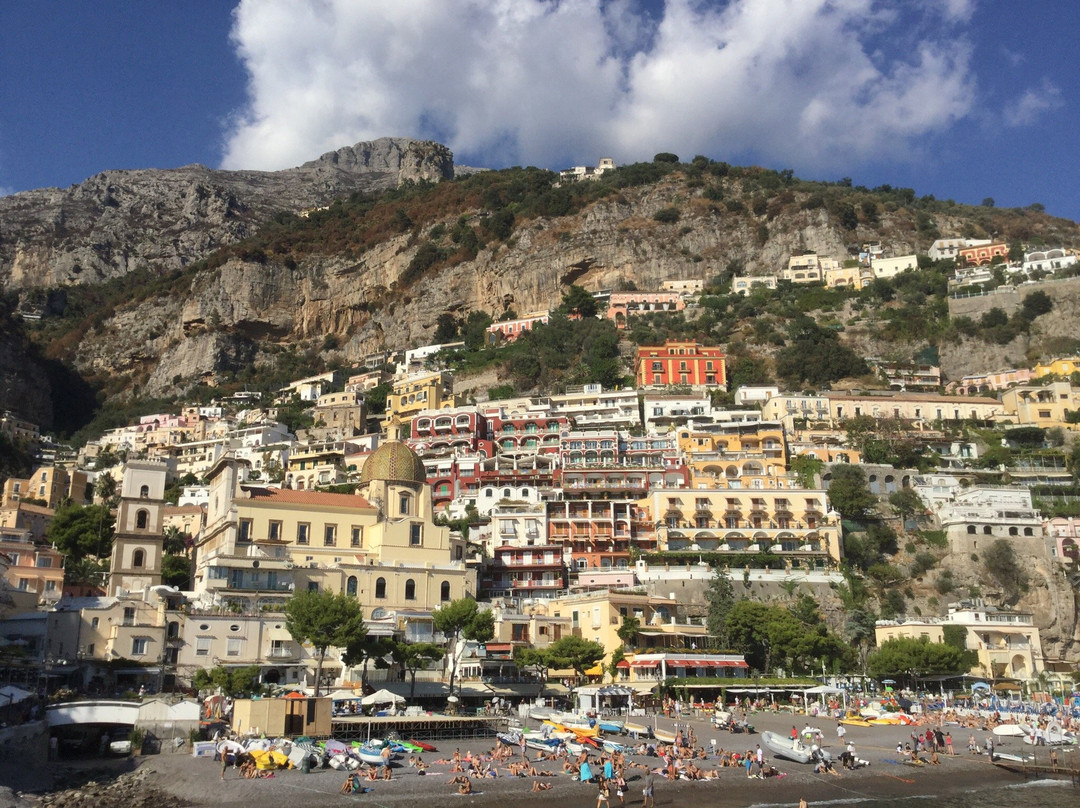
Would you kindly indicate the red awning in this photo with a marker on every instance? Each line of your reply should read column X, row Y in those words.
column 623, row 664
column 498, row 646
column 644, row 663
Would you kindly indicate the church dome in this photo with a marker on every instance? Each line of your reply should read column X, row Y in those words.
column 393, row 462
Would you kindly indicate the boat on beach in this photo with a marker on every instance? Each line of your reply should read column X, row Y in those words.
column 637, row 730
column 664, row 735
column 789, row 749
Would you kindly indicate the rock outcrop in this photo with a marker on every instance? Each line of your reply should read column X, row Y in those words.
column 118, row 221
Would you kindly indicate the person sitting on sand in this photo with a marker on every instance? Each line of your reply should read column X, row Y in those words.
column 351, row 784
column 934, row 759
column 372, row 773
column 538, row 786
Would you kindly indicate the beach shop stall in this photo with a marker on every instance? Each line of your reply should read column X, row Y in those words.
column 604, row 699
column 290, row 716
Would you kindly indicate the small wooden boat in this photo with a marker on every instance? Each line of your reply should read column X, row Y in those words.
column 613, row 748
column 855, row 722
column 664, row 735
column 637, row 730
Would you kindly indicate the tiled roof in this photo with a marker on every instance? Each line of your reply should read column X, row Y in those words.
column 316, row 498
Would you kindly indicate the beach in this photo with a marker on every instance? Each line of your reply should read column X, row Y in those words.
column 196, row 781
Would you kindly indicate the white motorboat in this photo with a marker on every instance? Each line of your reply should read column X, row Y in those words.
column 790, row 749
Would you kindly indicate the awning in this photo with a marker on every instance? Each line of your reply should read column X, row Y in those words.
column 622, row 663
column 706, row 663
column 501, row 647
column 595, row 670
column 644, row 663
column 137, row 671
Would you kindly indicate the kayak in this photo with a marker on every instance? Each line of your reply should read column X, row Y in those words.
column 424, row 747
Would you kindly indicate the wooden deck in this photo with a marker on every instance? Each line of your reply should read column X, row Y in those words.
column 1036, row 769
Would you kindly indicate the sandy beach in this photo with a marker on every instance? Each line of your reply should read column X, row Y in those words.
column 196, row 781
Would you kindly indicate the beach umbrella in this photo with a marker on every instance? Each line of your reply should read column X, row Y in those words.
column 381, row 697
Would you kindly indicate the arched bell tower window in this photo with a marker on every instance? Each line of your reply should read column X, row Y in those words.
column 142, row 520
column 138, row 559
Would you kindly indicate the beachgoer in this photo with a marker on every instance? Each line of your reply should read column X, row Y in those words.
column 602, row 793
column 538, row 786
column 840, row 730
column 648, row 791
column 948, row 744
column 620, row 788
column 802, row 802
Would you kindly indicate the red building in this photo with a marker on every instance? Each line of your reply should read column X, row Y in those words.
column 983, row 254
column 680, row 363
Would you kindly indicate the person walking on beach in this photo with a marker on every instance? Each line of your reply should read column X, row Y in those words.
column 602, row 793
column 802, row 802
column 648, row 793
column 948, row 744
column 840, row 730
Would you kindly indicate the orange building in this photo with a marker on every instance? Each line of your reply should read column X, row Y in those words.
column 677, row 362
column 982, row 254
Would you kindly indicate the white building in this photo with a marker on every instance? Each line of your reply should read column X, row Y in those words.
column 891, row 267
column 745, row 284
column 950, row 247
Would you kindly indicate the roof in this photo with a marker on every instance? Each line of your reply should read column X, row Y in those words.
column 317, row 498
column 393, row 462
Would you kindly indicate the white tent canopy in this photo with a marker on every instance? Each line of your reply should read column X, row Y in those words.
column 382, row 697
column 13, row 695
column 824, row 690
column 345, row 695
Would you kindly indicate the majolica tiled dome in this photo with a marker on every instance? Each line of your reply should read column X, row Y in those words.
column 393, row 462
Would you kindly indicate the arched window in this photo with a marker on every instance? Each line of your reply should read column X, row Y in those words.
column 444, row 591
column 507, row 493
column 971, row 529
column 350, row 586
column 410, row 589
column 988, row 530
column 174, row 630
column 1014, row 531
column 380, row 588
column 1028, row 531
column 142, row 520
column 144, row 492
column 138, row 558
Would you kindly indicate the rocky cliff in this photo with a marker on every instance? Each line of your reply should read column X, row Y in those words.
column 160, row 220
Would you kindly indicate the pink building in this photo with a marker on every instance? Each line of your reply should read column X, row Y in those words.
column 989, row 382
column 510, row 330
column 1064, row 532
column 627, row 304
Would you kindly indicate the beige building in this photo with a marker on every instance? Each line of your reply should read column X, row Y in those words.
column 381, row 545
column 135, row 565
column 237, row 640
column 597, row 616
column 809, row 268
column 414, row 394
column 1042, row 406
column 33, row 567
column 796, row 523
column 1007, row 643
column 49, row 484
column 737, row 455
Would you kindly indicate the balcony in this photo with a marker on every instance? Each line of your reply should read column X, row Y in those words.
column 282, row 653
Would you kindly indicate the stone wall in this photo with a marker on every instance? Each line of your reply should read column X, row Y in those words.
column 1009, row 298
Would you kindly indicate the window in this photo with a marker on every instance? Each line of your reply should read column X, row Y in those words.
column 302, row 531
column 138, row 646
column 444, row 591
column 129, row 616
column 50, row 586
column 987, row 530
column 202, row 646
column 245, row 530
column 274, row 531
column 43, row 561
column 357, row 538
column 90, row 649
column 403, row 504
column 94, row 622
column 971, row 529
column 416, row 535
column 234, row 646
column 351, row 586
column 142, row 520
column 138, row 559
column 312, row 586
column 329, row 535
column 380, row 588
column 410, row 589
column 144, row 492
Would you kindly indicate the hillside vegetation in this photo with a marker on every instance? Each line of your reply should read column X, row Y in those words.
column 379, row 270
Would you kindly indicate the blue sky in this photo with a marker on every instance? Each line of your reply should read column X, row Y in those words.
column 962, row 99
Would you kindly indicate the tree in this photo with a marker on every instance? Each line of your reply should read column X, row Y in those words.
column 85, row 572
column 1001, row 563
column 908, row 656
column 806, row 468
column 458, row 620
column 906, row 503
column 368, row 649
column 176, row 542
column 575, row 652
column 446, row 328
column 1035, row 304
column 81, row 531
column 105, row 490
column 720, row 597
column 417, row 655
column 628, row 630
column 324, row 620
column 848, row 492
column 580, row 301
column 665, row 157
column 176, row 571
column 617, row 656
column 230, row 681
column 474, row 331
column 535, row 658
column 816, row 356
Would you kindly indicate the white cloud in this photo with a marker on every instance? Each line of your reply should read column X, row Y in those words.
column 810, row 83
column 1033, row 103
